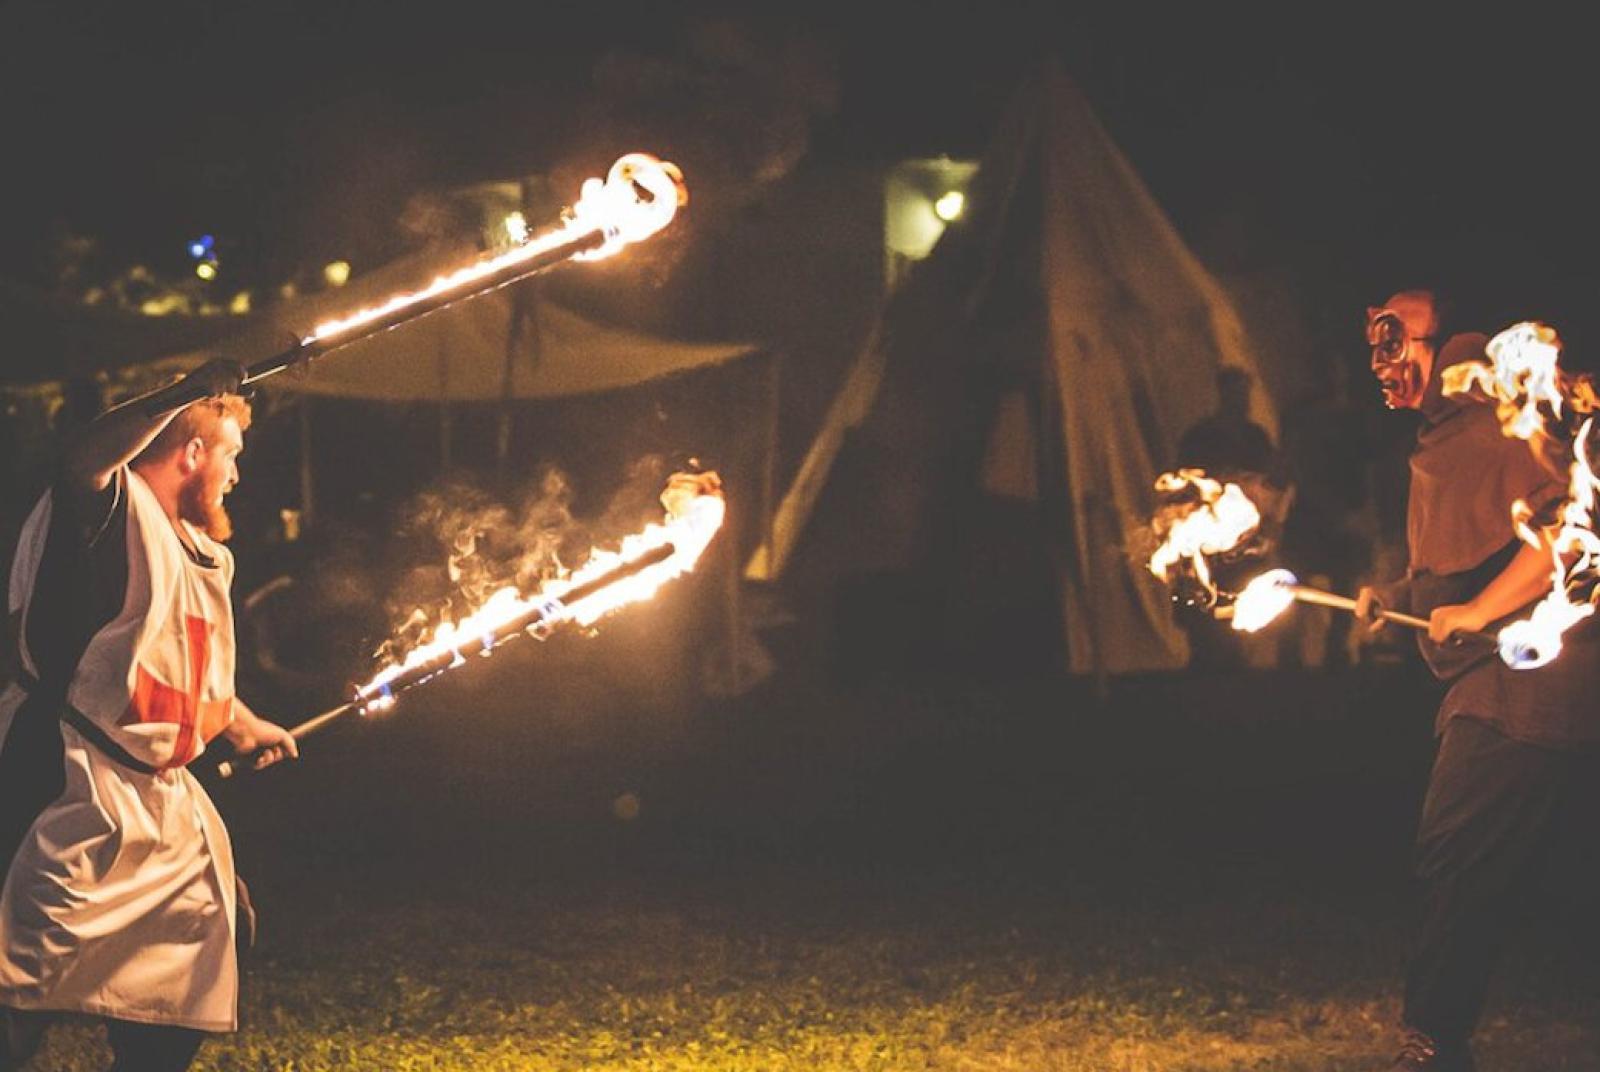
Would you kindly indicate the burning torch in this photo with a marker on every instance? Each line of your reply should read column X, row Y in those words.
column 1205, row 520
column 1267, row 596
column 638, row 198
column 608, row 580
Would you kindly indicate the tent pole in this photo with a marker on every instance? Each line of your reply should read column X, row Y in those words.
column 521, row 299
column 307, row 483
column 446, row 427
column 446, row 414
column 769, row 464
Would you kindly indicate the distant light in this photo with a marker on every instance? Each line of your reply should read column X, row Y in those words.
column 240, row 304
column 162, row 306
column 516, row 227
column 201, row 247
column 206, row 270
column 950, row 205
column 337, row 273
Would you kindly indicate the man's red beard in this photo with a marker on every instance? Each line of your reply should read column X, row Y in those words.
column 200, row 504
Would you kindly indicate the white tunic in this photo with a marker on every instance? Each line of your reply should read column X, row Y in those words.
column 120, row 900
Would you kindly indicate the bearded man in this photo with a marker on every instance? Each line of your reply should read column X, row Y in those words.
column 1516, row 749
column 120, row 899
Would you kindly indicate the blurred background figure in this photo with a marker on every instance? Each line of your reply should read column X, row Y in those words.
column 1226, row 441
column 1331, row 529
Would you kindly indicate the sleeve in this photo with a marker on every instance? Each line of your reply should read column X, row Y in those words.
column 82, row 576
column 85, row 513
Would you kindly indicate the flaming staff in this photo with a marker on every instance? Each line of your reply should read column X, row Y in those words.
column 1212, row 520
column 1267, row 596
column 609, row 579
column 638, row 198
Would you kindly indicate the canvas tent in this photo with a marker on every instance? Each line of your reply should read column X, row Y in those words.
column 1050, row 351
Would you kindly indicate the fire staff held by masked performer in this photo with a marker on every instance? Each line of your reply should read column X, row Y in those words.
column 1518, row 751
column 120, row 899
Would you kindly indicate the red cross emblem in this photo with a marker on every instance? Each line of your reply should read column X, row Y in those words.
column 156, row 701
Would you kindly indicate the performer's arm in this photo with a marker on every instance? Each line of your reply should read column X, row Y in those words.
column 1525, row 578
column 250, row 733
column 117, row 436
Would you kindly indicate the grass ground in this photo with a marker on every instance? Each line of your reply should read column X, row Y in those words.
column 1190, row 874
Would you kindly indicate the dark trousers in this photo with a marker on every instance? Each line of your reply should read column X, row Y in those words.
column 134, row 1047
column 1495, row 807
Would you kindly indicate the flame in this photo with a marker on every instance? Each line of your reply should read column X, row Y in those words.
column 639, row 197
column 1219, row 521
column 1536, row 640
column 1521, row 376
column 1263, row 600
column 695, row 509
column 1525, row 381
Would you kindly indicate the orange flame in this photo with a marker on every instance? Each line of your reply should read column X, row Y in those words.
column 1219, row 521
column 639, row 197
column 695, row 508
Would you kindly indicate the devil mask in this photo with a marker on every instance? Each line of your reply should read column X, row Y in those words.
column 1402, row 353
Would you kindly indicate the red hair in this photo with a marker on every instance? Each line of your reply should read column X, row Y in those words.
column 202, row 419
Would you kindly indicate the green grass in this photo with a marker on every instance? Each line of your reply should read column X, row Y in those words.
column 789, row 975
column 831, row 888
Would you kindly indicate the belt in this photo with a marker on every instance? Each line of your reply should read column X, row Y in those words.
column 88, row 729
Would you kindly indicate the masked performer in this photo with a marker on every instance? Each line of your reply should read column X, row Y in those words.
column 1513, row 746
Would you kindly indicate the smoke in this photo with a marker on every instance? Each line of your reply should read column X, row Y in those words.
column 467, row 543
column 734, row 101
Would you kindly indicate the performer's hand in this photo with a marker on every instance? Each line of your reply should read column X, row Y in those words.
column 265, row 742
column 1453, row 618
column 1368, row 605
column 273, row 744
column 219, row 376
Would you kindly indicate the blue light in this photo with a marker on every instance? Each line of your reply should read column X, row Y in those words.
column 201, row 247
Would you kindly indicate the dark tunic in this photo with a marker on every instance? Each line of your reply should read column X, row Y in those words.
column 1465, row 474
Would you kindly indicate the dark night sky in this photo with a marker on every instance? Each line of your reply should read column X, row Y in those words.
column 1336, row 147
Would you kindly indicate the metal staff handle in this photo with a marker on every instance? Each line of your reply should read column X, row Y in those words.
column 227, row 768
column 184, row 392
column 1318, row 597
column 539, row 619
